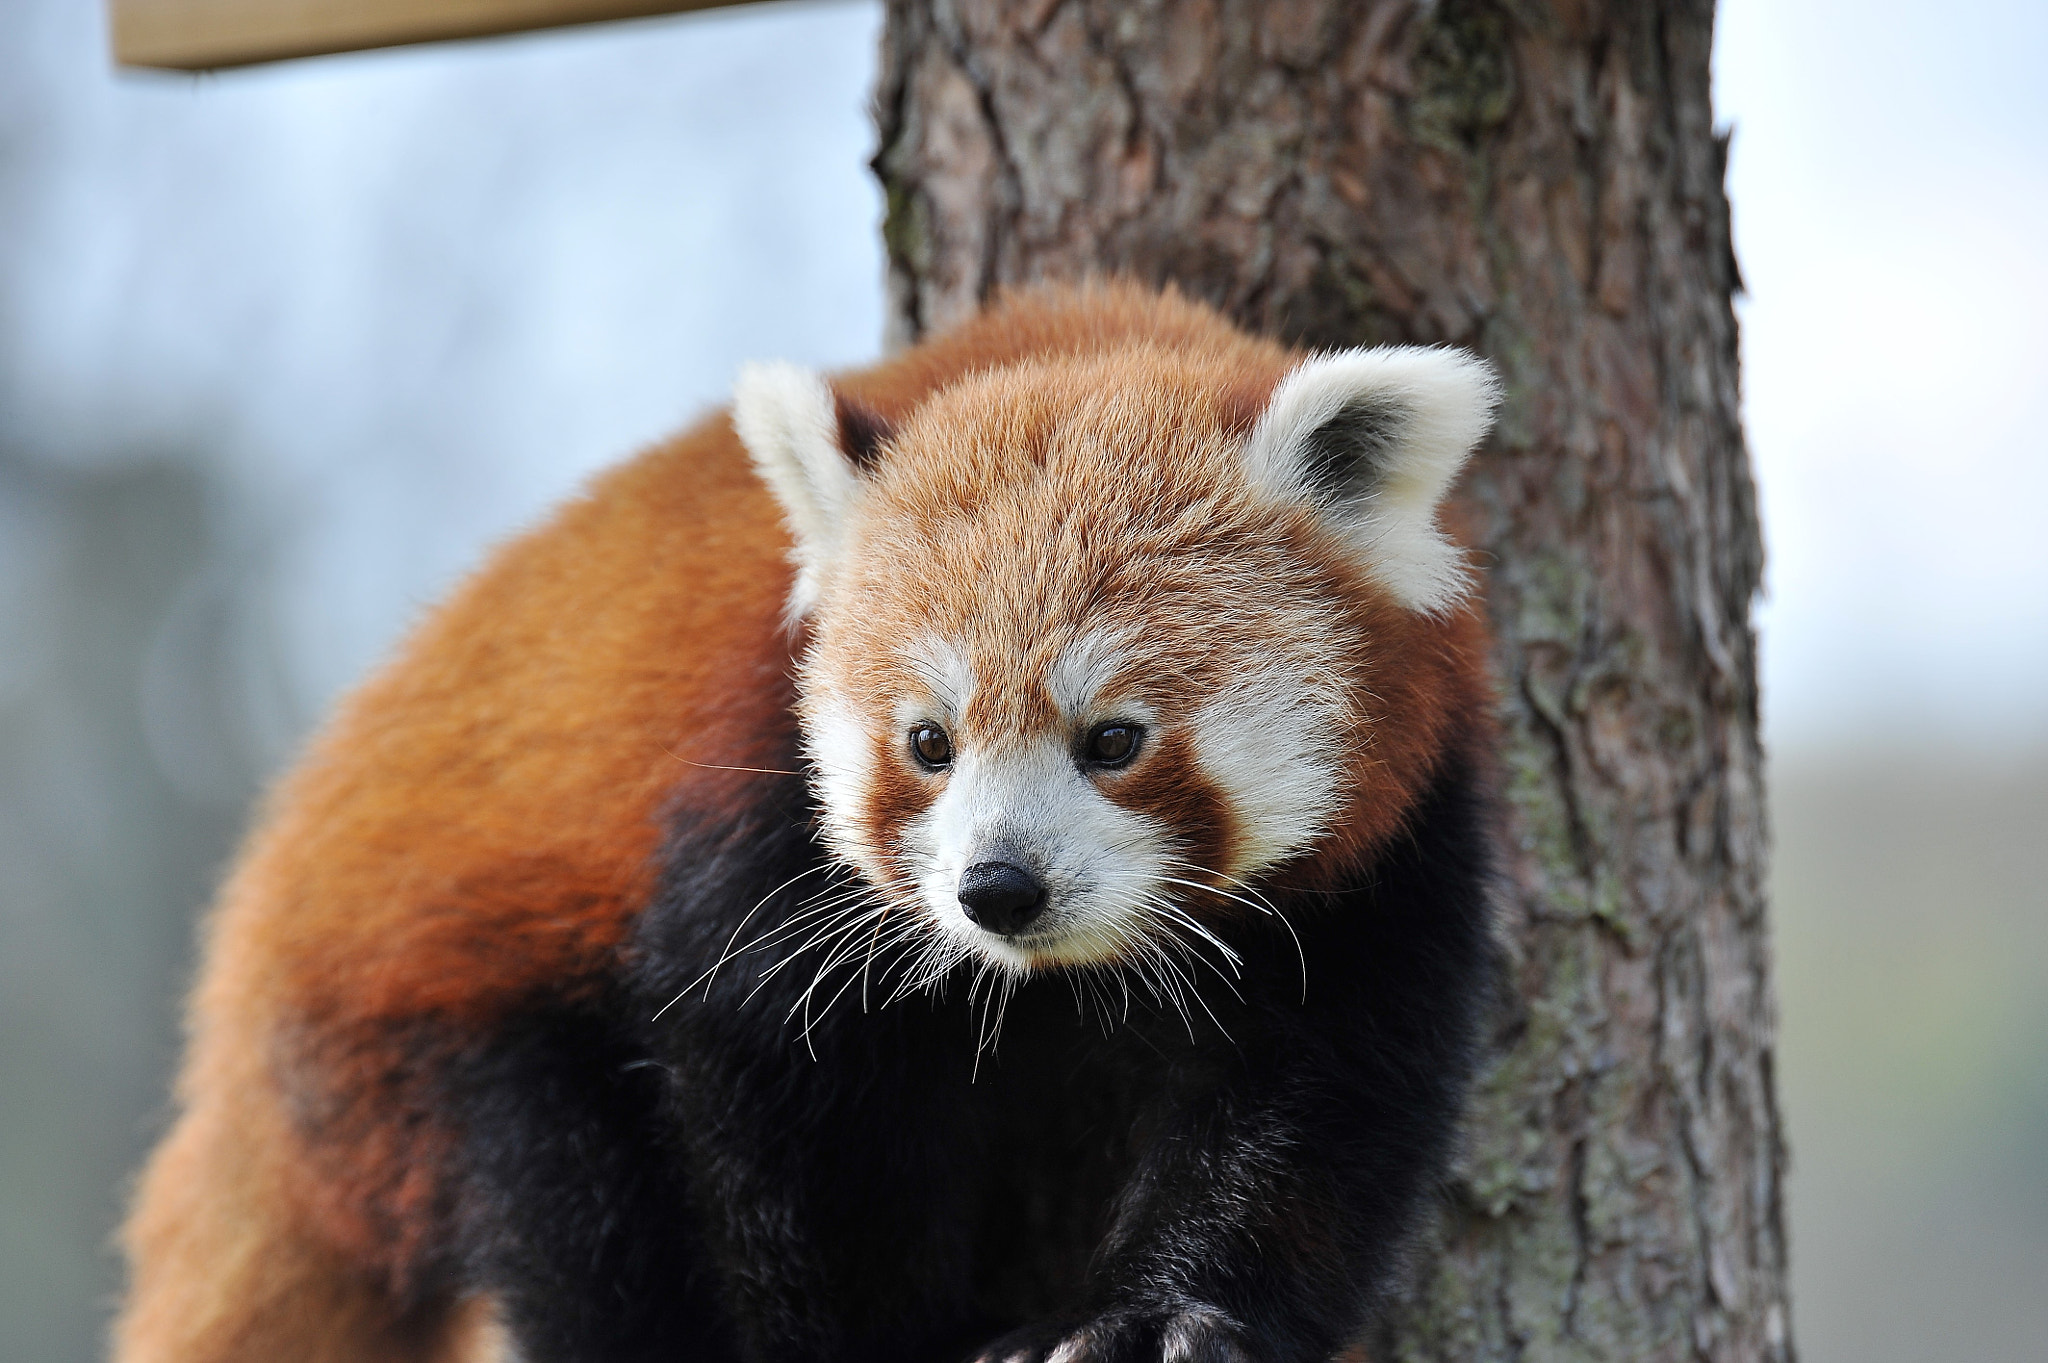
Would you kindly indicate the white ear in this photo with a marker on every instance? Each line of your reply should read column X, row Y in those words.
column 1374, row 438
column 786, row 417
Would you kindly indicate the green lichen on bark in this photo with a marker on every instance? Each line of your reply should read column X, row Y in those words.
column 1463, row 73
column 906, row 233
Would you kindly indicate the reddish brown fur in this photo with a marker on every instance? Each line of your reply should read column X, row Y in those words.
column 898, row 795
column 479, row 823
column 1171, row 787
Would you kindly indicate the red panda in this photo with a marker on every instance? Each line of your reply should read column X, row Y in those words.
column 984, row 858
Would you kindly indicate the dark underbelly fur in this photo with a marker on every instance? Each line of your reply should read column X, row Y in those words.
column 721, row 1184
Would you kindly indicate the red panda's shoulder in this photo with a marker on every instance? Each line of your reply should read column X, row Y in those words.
column 481, row 818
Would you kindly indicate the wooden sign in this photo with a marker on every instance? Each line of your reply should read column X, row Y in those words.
column 198, row 35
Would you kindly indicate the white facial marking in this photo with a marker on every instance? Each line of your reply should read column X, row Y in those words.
column 1031, row 805
column 1272, row 744
column 1083, row 669
column 946, row 673
column 842, row 756
column 1438, row 404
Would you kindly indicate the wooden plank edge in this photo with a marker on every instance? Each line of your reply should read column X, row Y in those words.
column 209, row 35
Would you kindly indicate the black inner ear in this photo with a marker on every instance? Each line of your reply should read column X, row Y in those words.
column 1346, row 457
column 862, row 431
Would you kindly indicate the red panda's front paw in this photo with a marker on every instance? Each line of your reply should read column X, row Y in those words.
column 1178, row 1337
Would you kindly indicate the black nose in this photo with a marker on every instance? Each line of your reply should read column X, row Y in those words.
column 1001, row 897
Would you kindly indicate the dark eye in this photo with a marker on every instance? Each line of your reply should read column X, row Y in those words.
column 1112, row 744
column 931, row 747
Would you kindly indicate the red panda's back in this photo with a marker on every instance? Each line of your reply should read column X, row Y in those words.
column 477, row 825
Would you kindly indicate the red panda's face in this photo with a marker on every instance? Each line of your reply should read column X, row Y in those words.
column 1090, row 652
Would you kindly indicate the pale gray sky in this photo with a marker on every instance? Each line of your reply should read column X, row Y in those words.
column 1890, row 182
column 402, row 302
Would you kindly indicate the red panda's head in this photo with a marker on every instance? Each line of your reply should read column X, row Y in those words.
column 1098, row 641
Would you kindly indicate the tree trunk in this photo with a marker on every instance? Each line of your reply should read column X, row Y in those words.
column 1542, row 183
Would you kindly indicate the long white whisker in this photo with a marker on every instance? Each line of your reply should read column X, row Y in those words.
column 1180, row 916
column 1150, row 965
column 1195, row 990
column 848, row 919
column 1256, row 899
column 815, row 911
column 806, row 915
column 981, row 1023
column 818, row 979
column 868, row 965
column 726, row 955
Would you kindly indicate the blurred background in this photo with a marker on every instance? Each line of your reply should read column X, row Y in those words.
column 283, row 350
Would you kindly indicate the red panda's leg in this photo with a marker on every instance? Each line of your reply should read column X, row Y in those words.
column 223, row 1273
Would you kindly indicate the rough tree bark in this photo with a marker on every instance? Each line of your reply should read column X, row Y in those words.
column 1541, row 182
